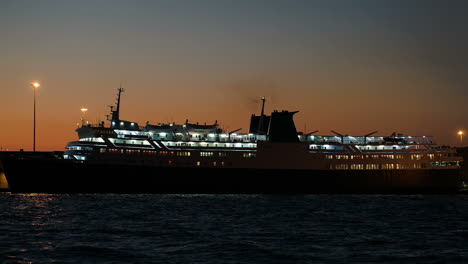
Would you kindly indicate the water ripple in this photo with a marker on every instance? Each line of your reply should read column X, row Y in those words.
column 233, row 229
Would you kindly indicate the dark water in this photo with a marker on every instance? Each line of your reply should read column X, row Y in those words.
column 233, row 229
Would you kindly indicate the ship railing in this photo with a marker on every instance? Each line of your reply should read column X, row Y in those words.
column 369, row 143
column 367, row 140
column 93, row 125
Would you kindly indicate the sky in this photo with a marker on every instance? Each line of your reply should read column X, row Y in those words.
column 350, row 66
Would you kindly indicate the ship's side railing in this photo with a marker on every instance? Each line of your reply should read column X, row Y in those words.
column 376, row 140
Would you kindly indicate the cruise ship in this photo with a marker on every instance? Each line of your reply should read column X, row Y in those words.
column 124, row 157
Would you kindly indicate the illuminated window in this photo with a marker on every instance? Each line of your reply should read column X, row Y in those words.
column 341, row 166
column 388, row 166
column 249, row 155
column 372, row 166
column 342, row 156
column 357, row 166
column 198, row 163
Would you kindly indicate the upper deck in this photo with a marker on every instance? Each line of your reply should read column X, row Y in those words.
column 174, row 132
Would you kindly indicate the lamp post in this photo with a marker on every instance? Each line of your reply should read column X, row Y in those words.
column 460, row 133
column 35, row 85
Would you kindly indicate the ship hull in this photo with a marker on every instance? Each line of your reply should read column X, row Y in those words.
column 63, row 176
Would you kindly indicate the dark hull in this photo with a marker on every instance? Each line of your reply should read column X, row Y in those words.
column 62, row 176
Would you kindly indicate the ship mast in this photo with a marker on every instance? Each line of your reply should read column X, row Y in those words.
column 263, row 106
column 115, row 113
column 261, row 119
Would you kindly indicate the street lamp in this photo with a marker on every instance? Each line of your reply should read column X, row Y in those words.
column 460, row 133
column 83, row 110
column 35, row 85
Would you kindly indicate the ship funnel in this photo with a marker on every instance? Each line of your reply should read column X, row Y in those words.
column 282, row 128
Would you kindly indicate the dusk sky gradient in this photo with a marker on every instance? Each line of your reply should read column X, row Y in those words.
column 349, row 66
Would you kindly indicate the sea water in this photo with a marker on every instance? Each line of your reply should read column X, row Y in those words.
column 116, row 228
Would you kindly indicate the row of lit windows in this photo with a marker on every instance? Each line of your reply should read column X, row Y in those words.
column 133, row 141
column 376, row 166
column 388, row 166
column 80, row 148
column 172, row 153
column 445, row 163
column 93, row 139
column 210, row 144
column 214, row 164
column 341, row 156
column 128, row 151
column 356, row 166
column 398, row 156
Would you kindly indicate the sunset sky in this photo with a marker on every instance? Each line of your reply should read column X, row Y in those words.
column 349, row 66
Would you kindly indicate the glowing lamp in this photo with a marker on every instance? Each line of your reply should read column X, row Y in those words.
column 460, row 133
